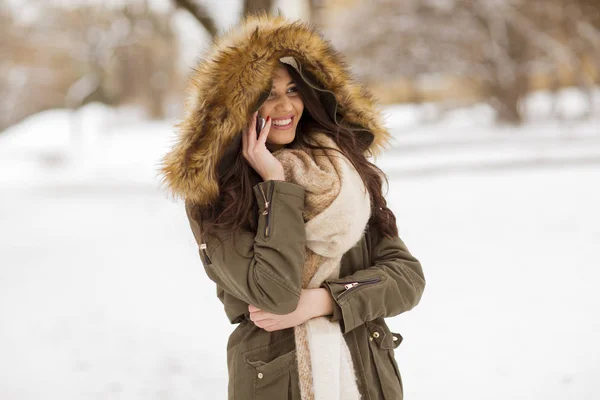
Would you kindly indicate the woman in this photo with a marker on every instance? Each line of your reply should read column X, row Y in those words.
column 290, row 221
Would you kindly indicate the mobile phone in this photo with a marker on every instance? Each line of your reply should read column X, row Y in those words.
column 260, row 124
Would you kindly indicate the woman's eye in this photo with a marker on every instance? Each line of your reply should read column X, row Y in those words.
column 293, row 90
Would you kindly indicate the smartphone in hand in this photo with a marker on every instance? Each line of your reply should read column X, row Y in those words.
column 260, row 124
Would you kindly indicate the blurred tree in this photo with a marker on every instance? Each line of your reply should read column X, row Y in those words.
column 316, row 9
column 504, row 56
column 125, row 55
column 199, row 11
column 254, row 6
column 491, row 49
column 76, row 55
column 413, row 50
column 8, row 77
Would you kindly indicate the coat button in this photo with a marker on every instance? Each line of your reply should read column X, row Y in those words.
column 260, row 375
column 375, row 335
column 395, row 338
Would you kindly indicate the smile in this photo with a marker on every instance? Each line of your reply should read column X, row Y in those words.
column 283, row 123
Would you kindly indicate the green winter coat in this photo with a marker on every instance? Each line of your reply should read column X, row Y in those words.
column 379, row 276
column 379, row 279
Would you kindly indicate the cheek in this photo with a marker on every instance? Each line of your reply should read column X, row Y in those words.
column 299, row 106
column 264, row 111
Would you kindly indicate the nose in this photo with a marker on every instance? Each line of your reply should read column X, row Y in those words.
column 284, row 105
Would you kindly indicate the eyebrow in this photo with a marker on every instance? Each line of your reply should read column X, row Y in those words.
column 289, row 83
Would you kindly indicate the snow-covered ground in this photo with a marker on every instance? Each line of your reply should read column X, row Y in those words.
column 102, row 293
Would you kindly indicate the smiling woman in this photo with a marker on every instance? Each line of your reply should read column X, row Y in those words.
column 284, row 106
column 291, row 223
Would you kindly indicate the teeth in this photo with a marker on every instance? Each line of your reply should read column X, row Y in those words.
column 282, row 122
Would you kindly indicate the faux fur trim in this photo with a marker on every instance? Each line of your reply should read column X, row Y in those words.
column 226, row 86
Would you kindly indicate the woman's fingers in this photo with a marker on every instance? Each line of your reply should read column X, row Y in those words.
column 272, row 327
column 259, row 316
column 252, row 308
column 267, row 323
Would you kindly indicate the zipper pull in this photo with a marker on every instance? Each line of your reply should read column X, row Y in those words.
column 267, row 205
column 268, row 208
column 349, row 286
column 205, row 254
column 266, row 202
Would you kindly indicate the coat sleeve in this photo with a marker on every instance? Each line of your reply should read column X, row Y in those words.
column 392, row 285
column 262, row 268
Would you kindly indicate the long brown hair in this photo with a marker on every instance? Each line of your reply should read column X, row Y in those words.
column 236, row 206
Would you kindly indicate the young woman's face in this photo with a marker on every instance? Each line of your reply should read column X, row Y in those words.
column 284, row 105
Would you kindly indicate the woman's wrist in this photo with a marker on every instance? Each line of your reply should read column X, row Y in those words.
column 320, row 303
column 275, row 177
column 327, row 302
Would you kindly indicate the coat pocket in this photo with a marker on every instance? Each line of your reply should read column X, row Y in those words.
column 382, row 345
column 274, row 368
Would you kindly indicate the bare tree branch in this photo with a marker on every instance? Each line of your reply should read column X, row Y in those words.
column 538, row 37
column 199, row 12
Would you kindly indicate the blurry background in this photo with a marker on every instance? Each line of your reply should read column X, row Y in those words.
column 494, row 106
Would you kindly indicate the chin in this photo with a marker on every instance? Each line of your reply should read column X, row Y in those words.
column 282, row 138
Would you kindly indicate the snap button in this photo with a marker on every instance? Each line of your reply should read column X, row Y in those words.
column 260, row 375
column 375, row 335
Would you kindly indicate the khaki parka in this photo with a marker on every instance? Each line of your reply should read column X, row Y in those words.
column 379, row 277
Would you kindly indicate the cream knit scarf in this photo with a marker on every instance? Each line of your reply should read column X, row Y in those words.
column 337, row 209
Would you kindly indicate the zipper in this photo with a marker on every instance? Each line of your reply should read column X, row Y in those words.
column 267, row 210
column 205, row 254
column 266, row 203
column 350, row 286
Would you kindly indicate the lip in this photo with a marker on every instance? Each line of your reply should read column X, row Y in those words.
column 285, row 127
column 286, row 117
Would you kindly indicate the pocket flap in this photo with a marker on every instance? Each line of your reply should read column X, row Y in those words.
column 396, row 339
column 276, row 367
column 273, row 359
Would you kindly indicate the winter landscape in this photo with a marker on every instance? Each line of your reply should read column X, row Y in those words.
column 102, row 292
column 103, row 296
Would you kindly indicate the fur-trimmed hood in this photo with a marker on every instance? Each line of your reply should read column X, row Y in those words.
column 232, row 81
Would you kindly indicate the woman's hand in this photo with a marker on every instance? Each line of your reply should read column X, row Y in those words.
column 256, row 153
column 313, row 303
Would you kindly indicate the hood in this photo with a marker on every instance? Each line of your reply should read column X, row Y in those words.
column 233, row 79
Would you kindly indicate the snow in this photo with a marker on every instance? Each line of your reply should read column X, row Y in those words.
column 102, row 293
